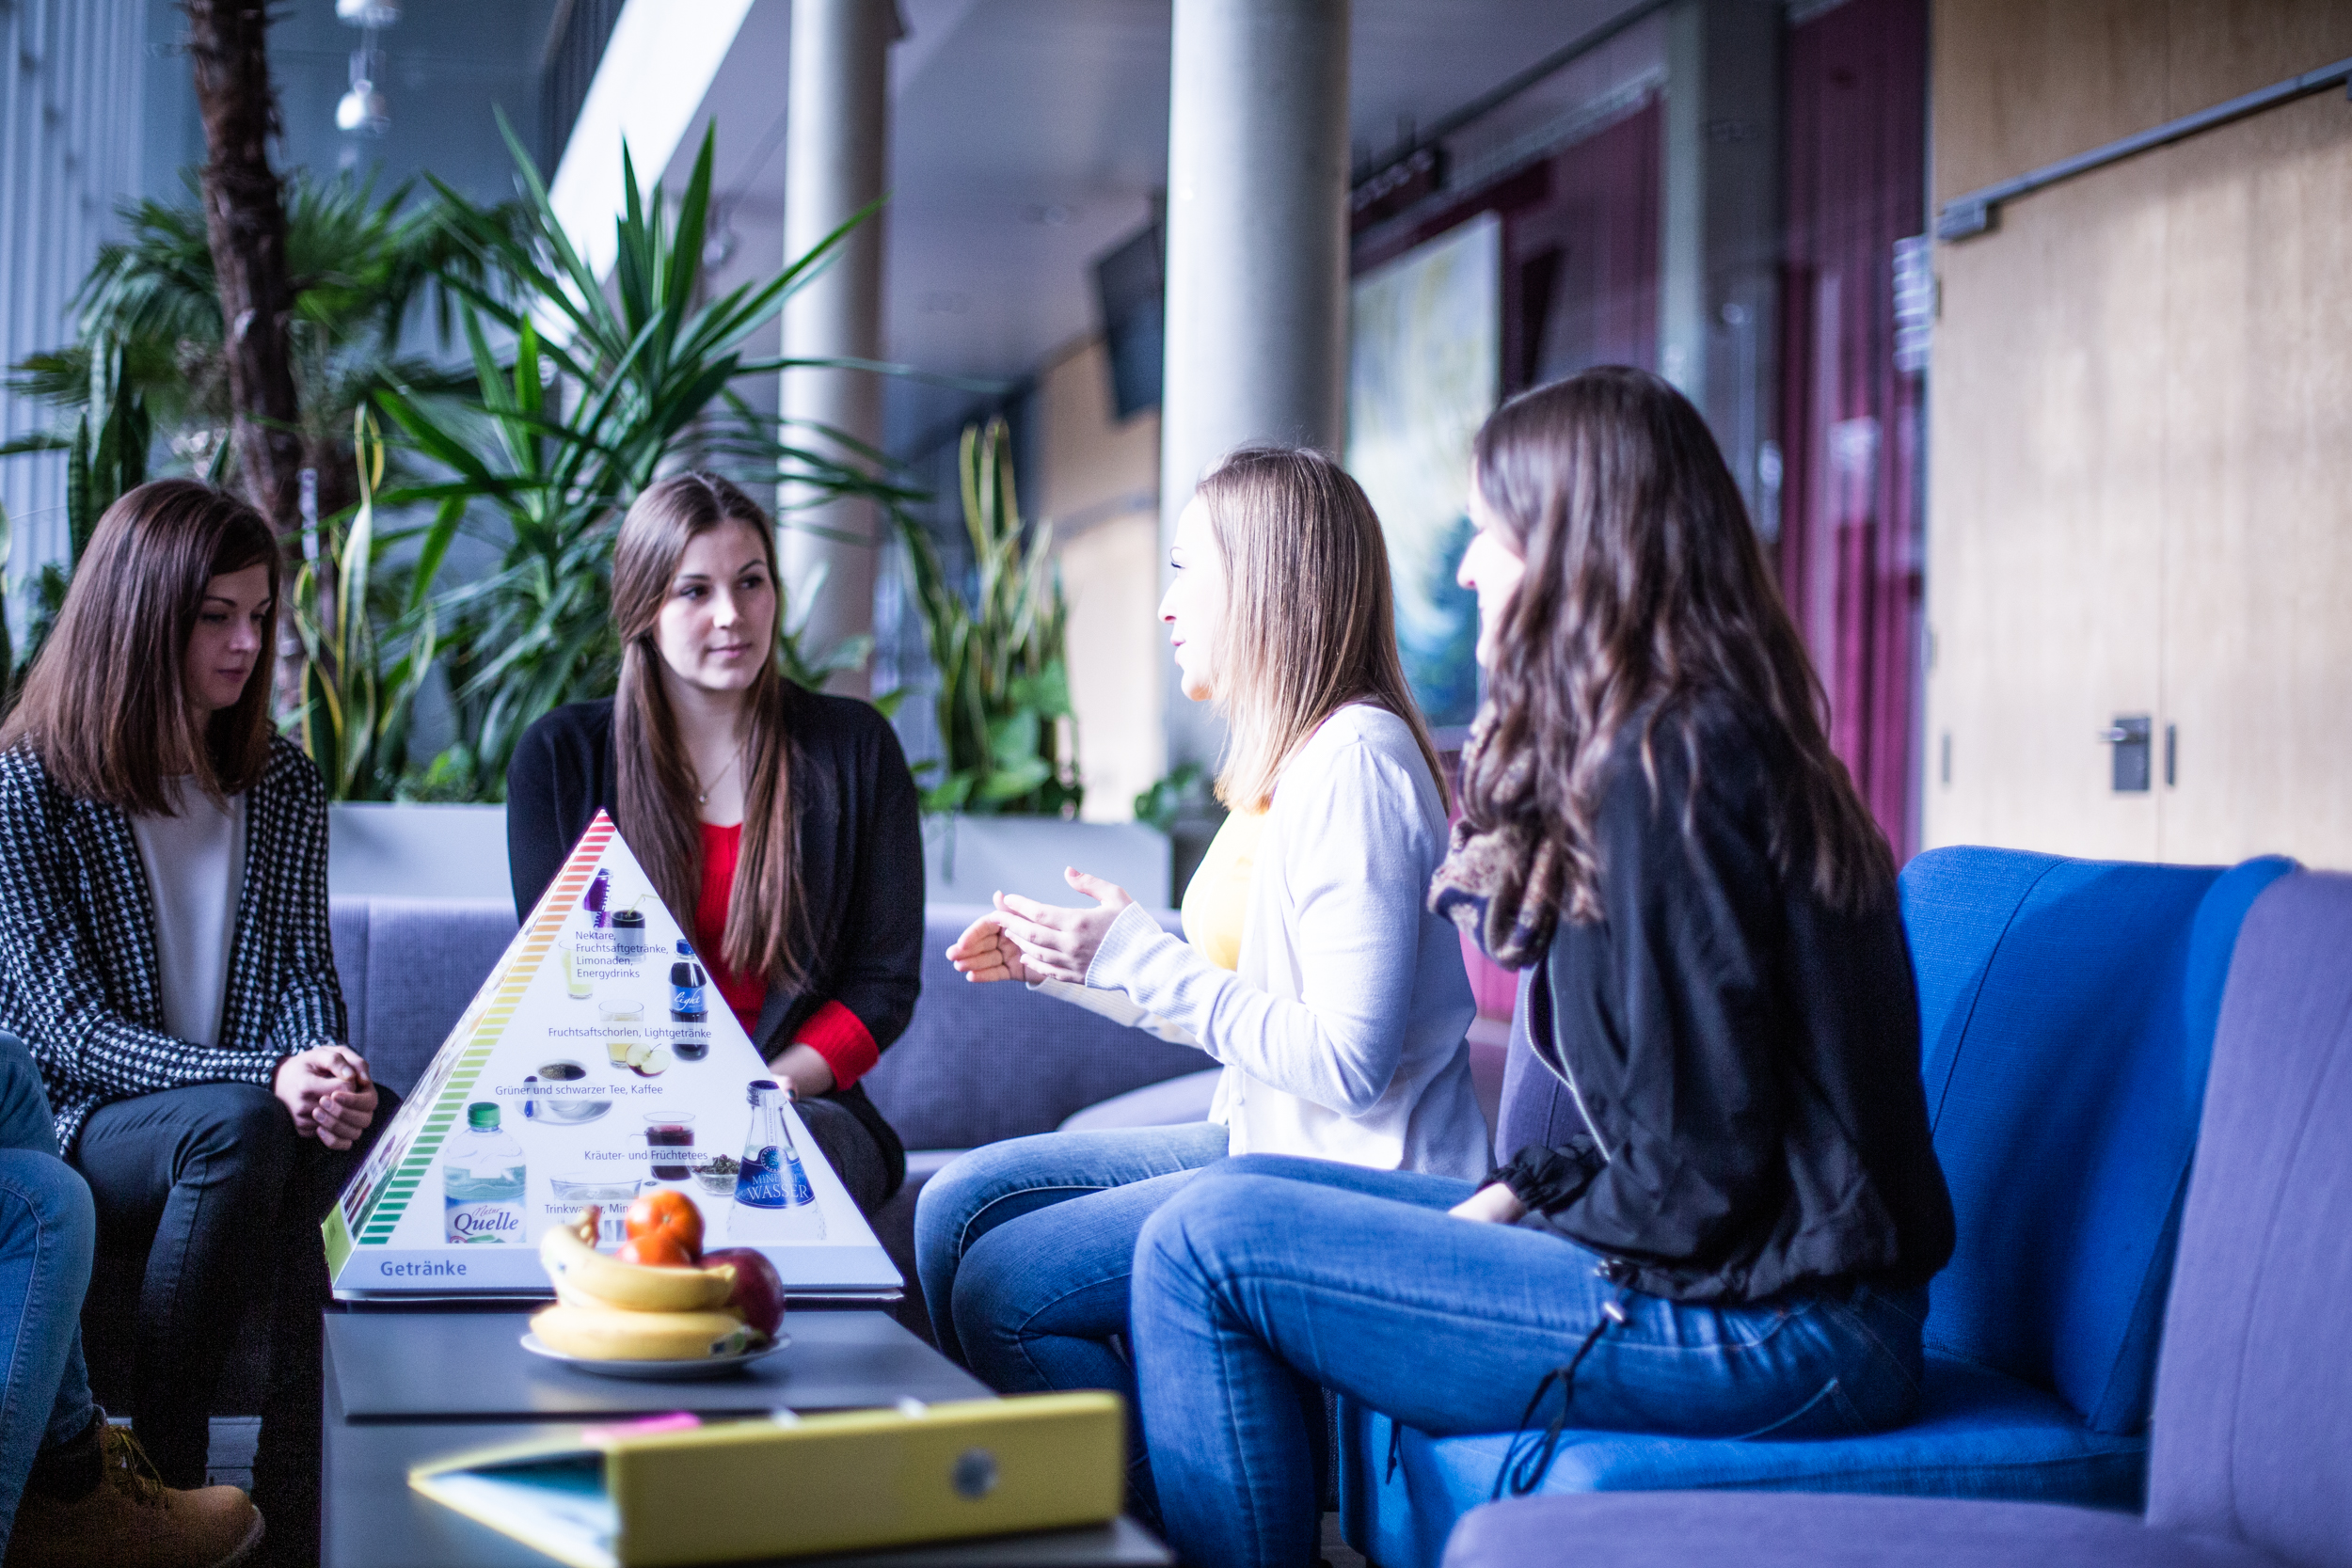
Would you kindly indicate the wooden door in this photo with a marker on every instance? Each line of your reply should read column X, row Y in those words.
column 2257, row 680
column 2140, row 477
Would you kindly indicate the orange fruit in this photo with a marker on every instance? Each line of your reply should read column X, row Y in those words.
column 669, row 1215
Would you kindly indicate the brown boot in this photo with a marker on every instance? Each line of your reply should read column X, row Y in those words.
column 131, row 1520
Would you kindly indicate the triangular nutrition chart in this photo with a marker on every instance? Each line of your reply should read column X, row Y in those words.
column 597, row 1062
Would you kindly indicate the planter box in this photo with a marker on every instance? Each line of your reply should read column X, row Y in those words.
column 443, row 851
column 965, row 859
column 417, row 851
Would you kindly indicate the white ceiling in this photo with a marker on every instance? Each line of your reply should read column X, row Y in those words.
column 1029, row 137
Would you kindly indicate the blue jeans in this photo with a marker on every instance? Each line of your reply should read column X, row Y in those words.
column 1024, row 1247
column 1269, row 1277
column 48, row 1233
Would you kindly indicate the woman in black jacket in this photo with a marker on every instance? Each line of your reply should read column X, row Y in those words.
column 777, row 824
column 1739, row 1239
column 164, row 954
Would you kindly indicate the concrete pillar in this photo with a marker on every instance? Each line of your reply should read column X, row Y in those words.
column 1718, row 308
column 837, row 149
column 1257, row 252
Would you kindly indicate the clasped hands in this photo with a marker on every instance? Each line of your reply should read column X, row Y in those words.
column 1023, row 939
column 329, row 1092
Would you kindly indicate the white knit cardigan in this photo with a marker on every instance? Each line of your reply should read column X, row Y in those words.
column 1342, row 1028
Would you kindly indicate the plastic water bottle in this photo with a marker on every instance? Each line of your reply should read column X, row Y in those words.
column 773, row 1199
column 481, row 1181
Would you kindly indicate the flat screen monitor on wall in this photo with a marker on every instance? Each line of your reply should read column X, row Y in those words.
column 1129, row 284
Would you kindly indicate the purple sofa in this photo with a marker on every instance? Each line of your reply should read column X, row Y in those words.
column 2250, row 1461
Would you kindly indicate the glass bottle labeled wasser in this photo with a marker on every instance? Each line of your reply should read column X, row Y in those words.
column 773, row 1200
column 689, row 1003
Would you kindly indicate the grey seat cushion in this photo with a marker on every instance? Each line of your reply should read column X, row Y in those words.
column 1675, row 1529
column 1171, row 1102
column 981, row 1063
column 976, row 1063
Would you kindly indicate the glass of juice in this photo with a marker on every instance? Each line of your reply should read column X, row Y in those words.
column 674, row 1130
column 623, row 1026
column 575, row 984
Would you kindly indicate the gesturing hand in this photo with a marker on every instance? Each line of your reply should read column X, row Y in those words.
column 329, row 1090
column 985, row 953
column 1057, row 944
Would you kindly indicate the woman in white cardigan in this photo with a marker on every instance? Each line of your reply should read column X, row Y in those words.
column 1311, row 967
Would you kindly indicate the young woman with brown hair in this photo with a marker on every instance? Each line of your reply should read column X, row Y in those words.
column 165, row 955
column 1739, row 1241
column 1336, row 1003
column 778, row 824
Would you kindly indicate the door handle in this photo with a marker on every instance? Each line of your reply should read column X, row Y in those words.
column 2130, row 735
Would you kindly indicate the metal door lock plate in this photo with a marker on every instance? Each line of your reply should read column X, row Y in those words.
column 2130, row 736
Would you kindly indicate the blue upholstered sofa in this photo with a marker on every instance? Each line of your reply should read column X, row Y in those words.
column 2068, row 1011
column 2252, row 1449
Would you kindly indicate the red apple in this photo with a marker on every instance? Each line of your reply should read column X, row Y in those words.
column 758, row 1293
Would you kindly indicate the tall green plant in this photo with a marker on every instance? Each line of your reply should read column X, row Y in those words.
column 362, row 266
column 105, row 457
column 367, row 636
column 1004, row 686
column 556, row 443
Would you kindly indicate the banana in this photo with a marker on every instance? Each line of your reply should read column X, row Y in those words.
column 602, row 1333
column 607, row 1282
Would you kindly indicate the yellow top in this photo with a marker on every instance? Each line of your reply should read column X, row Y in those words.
column 1217, row 901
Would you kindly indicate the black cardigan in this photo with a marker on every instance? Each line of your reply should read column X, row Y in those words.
column 861, row 860
column 1747, row 1057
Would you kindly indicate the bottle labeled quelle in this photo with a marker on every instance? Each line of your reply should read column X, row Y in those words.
column 481, row 1181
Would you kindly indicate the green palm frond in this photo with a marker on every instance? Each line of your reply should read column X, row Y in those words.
column 605, row 387
column 1004, row 686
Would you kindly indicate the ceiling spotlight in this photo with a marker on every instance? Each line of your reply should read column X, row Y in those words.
column 363, row 109
column 368, row 13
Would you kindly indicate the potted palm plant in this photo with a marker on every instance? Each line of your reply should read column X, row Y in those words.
column 608, row 383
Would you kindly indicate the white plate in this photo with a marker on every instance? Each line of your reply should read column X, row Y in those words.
column 656, row 1371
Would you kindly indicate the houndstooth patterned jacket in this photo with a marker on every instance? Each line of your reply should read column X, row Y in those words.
column 78, row 975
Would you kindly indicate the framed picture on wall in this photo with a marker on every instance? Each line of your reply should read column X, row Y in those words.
column 1424, row 369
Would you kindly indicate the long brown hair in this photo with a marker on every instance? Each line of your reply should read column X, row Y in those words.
column 1310, row 615
column 765, row 930
column 1646, row 589
column 105, row 705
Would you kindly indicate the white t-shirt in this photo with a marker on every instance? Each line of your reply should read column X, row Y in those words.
column 195, row 862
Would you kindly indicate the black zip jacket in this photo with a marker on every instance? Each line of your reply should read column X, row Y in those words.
column 861, row 860
column 1746, row 1059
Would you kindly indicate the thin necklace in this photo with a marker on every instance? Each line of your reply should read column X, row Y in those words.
column 703, row 798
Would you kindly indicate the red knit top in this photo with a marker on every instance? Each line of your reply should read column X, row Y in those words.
column 833, row 1031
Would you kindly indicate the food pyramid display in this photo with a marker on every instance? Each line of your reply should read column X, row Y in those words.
column 596, row 1065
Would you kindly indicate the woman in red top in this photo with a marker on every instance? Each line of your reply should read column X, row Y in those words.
column 778, row 822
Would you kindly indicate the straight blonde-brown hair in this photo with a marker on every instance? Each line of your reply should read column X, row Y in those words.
column 1310, row 615
column 659, row 815
column 105, row 705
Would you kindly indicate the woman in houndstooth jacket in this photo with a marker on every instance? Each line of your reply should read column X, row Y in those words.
column 164, row 954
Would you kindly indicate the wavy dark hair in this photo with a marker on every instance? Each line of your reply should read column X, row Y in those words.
column 1645, row 592
column 105, row 704
column 767, row 930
